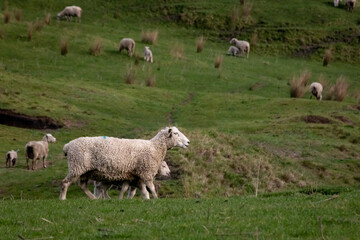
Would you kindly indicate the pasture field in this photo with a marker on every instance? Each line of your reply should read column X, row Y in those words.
column 243, row 126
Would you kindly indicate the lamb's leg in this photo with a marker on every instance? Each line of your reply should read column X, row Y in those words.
column 83, row 185
column 124, row 188
column 151, row 186
column 13, row 162
column 132, row 192
column 65, row 185
column 144, row 192
column 44, row 164
column 27, row 163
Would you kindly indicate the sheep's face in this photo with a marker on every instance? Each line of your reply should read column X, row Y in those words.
column 179, row 139
column 50, row 138
column 164, row 169
column 232, row 41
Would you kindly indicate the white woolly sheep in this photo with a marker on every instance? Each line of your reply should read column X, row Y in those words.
column 38, row 149
column 128, row 44
column 316, row 90
column 244, row 46
column 350, row 5
column 336, row 3
column 110, row 159
column 148, row 54
column 101, row 188
column 11, row 157
column 234, row 51
column 69, row 12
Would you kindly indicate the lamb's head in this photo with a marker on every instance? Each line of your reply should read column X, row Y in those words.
column 177, row 139
column 233, row 41
column 49, row 138
column 164, row 169
column 146, row 48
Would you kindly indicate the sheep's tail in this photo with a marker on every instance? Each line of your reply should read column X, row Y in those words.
column 30, row 152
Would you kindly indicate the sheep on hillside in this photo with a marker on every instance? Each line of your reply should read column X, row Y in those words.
column 11, row 157
column 69, row 12
column 101, row 188
column 350, row 5
column 234, row 51
column 148, row 54
column 244, row 46
column 38, row 149
column 110, row 159
column 336, row 3
column 316, row 90
column 128, row 44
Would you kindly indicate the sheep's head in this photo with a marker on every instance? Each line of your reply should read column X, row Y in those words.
column 232, row 41
column 164, row 169
column 49, row 138
column 146, row 48
column 177, row 138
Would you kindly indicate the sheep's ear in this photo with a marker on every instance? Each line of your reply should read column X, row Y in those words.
column 170, row 133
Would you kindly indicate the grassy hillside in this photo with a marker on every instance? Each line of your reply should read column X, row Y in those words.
column 239, row 117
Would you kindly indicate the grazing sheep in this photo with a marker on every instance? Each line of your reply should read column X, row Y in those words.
column 38, row 149
column 11, row 157
column 101, row 188
column 244, row 46
column 350, row 5
column 336, row 3
column 148, row 55
column 316, row 90
column 234, row 51
column 69, row 12
column 110, row 159
column 128, row 44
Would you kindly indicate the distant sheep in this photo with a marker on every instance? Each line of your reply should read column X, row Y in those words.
column 244, row 46
column 148, row 55
column 128, row 44
column 69, row 12
column 110, row 159
column 234, row 51
column 101, row 188
column 38, row 149
column 316, row 90
column 336, row 3
column 11, row 157
column 350, row 5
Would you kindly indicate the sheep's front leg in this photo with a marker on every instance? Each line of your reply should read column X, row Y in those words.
column 44, row 164
column 144, row 192
column 124, row 188
column 132, row 192
column 83, row 185
column 151, row 186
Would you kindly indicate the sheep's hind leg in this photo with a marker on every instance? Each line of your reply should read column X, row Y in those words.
column 132, row 192
column 68, row 180
column 83, row 185
column 144, row 192
column 151, row 186
column 44, row 163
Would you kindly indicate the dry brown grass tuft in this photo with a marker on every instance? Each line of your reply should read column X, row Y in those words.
column 130, row 74
column 151, row 79
column 298, row 84
column 177, row 50
column 38, row 25
column 234, row 18
column 30, row 32
column 5, row 6
column 200, row 42
column 47, row 19
column 322, row 81
column 246, row 11
column 96, row 47
column 18, row 15
column 327, row 57
column 7, row 17
column 218, row 61
column 338, row 91
column 64, row 46
column 254, row 39
column 149, row 36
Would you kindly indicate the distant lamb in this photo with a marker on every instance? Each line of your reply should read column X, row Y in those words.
column 350, row 5
column 101, row 188
column 128, row 44
column 11, row 157
column 316, row 90
column 148, row 55
column 38, row 149
column 336, row 3
column 244, row 46
column 110, row 159
column 69, row 12
column 234, row 51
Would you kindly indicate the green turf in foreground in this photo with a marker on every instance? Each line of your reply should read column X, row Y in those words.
column 284, row 216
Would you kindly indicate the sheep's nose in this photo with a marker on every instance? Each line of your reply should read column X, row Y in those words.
column 188, row 142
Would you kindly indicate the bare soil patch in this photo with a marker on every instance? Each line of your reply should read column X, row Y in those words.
column 344, row 120
column 316, row 119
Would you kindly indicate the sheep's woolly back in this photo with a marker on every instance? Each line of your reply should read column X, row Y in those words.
column 73, row 11
column 316, row 89
column 11, row 155
column 128, row 44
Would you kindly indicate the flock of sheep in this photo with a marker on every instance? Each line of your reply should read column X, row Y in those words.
column 349, row 4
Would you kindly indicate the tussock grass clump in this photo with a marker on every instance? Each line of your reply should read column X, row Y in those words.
column 96, row 47
column 130, row 74
column 246, row 11
column 327, row 57
column 150, row 79
column 30, row 32
column 298, row 84
column 18, row 15
column 38, row 25
column 177, row 50
column 234, row 18
column 200, row 42
column 254, row 39
column 149, row 36
column 338, row 91
column 7, row 17
column 64, row 46
column 5, row 6
column 218, row 61
column 47, row 19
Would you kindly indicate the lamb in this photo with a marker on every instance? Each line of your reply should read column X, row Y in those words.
column 128, row 44
column 336, row 3
column 350, row 5
column 38, row 149
column 148, row 55
column 244, row 46
column 234, row 51
column 110, row 159
column 316, row 90
column 11, row 157
column 100, row 189
column 69, row 12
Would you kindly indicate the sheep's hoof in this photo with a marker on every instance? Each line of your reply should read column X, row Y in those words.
column 44, row 166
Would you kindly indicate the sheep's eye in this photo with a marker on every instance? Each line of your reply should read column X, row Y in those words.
column 176, row 133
